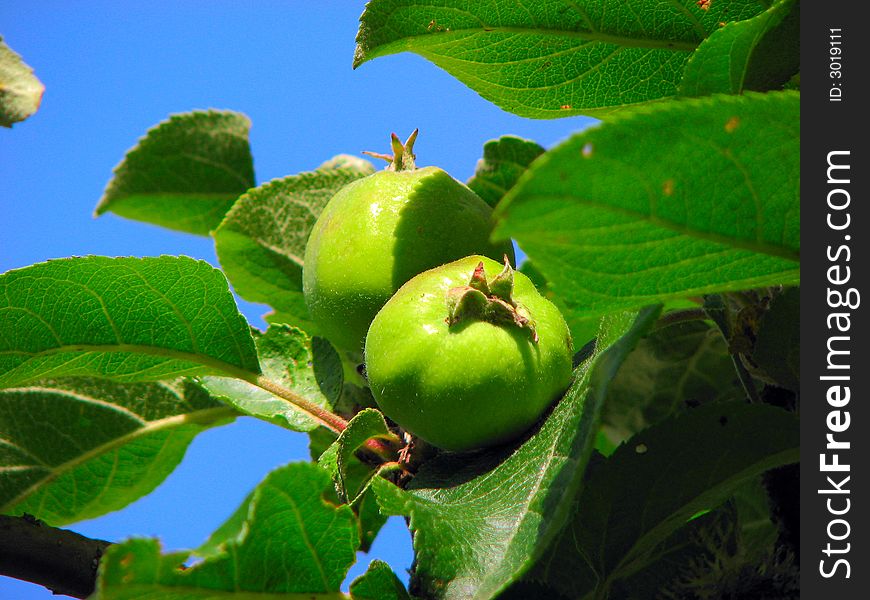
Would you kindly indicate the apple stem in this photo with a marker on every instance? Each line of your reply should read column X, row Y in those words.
column 403, row 157
column 489, row 300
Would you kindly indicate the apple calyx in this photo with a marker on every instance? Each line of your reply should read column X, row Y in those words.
column 491, row 301
column 402, row 158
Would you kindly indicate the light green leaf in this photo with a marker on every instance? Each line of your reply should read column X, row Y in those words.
column 551, row 58
column 339, row 457
column 673, row 368
column 185, row 173
column 20, row 90
column 293, row 542
column 761, row 53
column 654, row 484
column 75, row 449
column 378, row 583
column 127, row 319
column 672, row 200
column 309, row 367
column 481, row 519
column 504, row 160
column 261, row 242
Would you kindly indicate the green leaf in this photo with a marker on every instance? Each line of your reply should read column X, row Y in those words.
column 75, row 449
column 233, row 529
column 692, row 550
column 673, row 368
column 653, row 485
column 261, row 242
column 551, row 58
column 481, row 519
column 673, row 200
column 309, row 367
column 582, row 328
column 504, row 160
column 777, row 348
column 378, row 583
column 339, row 457
column 358, row 475
column 127, row 319
column 292, row 542
column 20, row 90
column 185, row 173
column 761, row 53
column 758, row 533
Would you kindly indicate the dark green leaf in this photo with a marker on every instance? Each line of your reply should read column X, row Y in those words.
column 292, row 542
column 758, row 533
column 261, row 242
column 673, row 200
column 761, row 53
column 653, row 485
column 20, row 90
column 378, row 583
column 127, row 319
column 551, row 58
column 75, row 449
column 185, row 173
column 481, row 519
column 777, row 346
column 504, row 160
column 675, row 367
column 693, row 549
column 308, row 367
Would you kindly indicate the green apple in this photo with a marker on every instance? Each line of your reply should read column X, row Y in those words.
column 376, row 233
column 464, row 361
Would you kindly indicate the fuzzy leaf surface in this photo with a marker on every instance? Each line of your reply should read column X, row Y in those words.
column 185, row 173
column 126, row 319
column 761, row 53
column 77, row 448
column 481, row 519
column 261, row 242
column 652, row 485
column 672, row 200
column 309, row 367
column 547, row 59
column 293, row 542
column 20, row 90
column 504, row 160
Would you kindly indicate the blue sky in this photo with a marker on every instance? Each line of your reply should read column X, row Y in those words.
column 112, row 69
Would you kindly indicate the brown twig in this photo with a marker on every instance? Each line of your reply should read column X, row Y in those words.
column 62, row 561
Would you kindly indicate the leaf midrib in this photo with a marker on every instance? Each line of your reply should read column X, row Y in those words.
column 201, row 417
column 757, row 245
column 407, row 42
column 219, row 368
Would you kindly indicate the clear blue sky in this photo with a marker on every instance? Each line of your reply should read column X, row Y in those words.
column 112, row 69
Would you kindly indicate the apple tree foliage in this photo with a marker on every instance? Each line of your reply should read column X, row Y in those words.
column 668, row 234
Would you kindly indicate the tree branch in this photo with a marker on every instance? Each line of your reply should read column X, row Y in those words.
column 61, row 560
